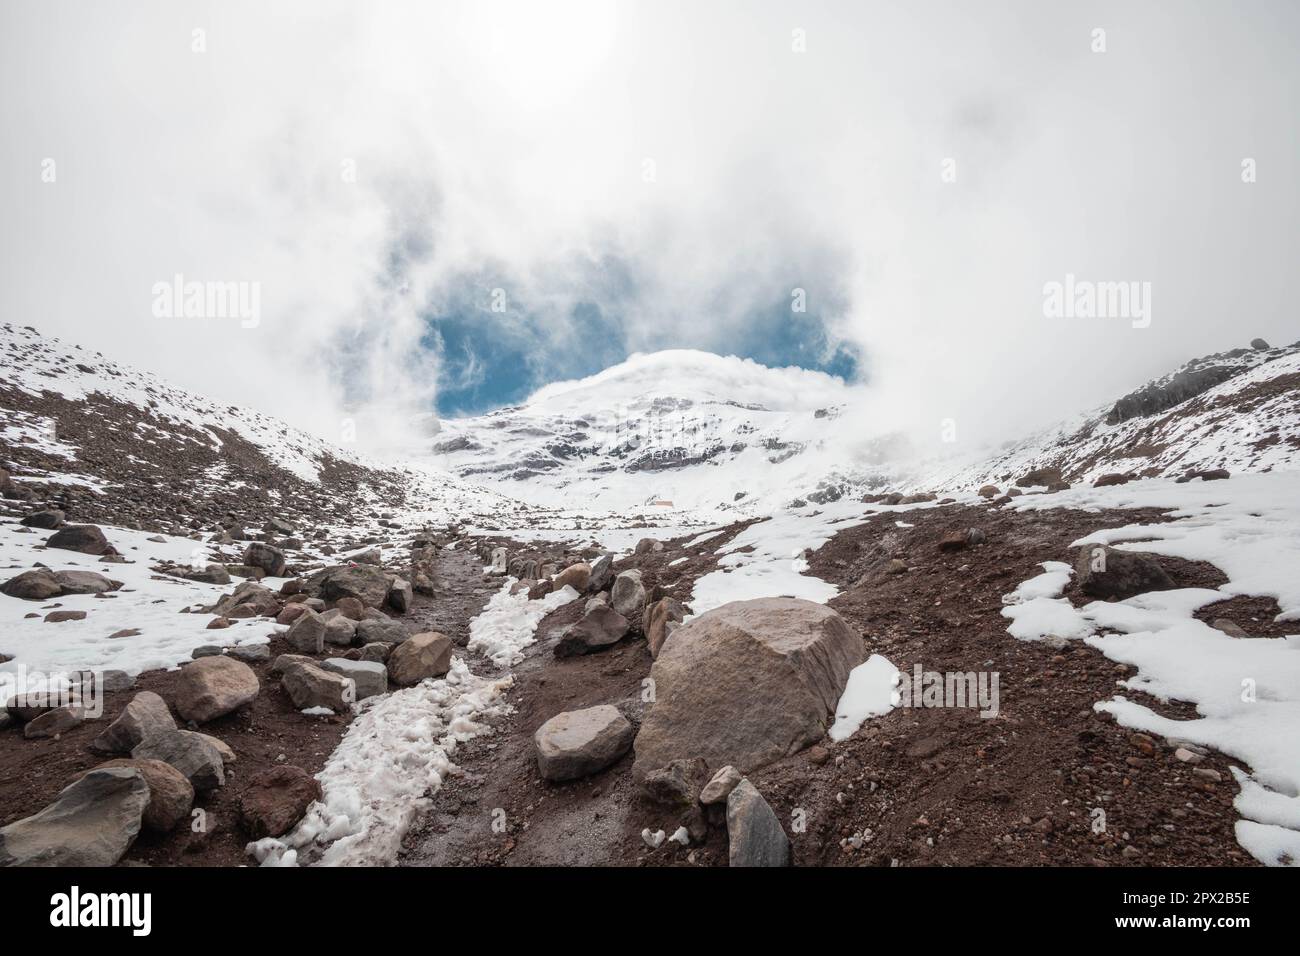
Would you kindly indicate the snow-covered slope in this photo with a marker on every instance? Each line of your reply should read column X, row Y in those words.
column 696, row 430
column 1238, row 410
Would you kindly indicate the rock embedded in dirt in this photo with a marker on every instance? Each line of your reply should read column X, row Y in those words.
column 267, row 557
column 746, row 684
column 248, row 594
column 602, row 572
column 370, row 678
column 598, row 629
column 367, row 583
column 400, row 595
column 754, row 834
column 720, row 786
column 213, row 687
column 382, row 630
column 1231, row 628
column 953, row 541
column 47, row 520
column 191, row 753
column 660, row 620
column 309, row 685
column 578, row 743
column 1111, row 574
column 276, row 800
column 83, row 538
column 340, row 631
column 679, row 784
column 418, row 657
column 628, row 595
column 54, row 722
column 576, row 576
column 648, row 546
column 146, row 715
column 307, row 633
column 39, row 584
column 170, row 795
column 249, row 653
column 92, row 822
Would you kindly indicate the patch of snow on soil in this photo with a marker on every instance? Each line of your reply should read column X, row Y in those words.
column 871, row 690
column 1246, row 691
column 509, row 623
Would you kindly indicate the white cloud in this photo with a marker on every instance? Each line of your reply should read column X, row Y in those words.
column 516, row 140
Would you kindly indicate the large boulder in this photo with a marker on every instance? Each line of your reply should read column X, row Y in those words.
column 366, row 583
column 1110, row 574
column 418, row 657
column 170, row 795
column 602, row 572
column 598, row 629
column 576, row 576
column 38, row 584
column 85, row 582
column 146, row 715
column 661, row 619
column 194, row 755
column 270, row 559
column 309, row 685
column 92, row 822
column 340, row 631
column 84, row 538
column 1039, row 476
column 577, row 743
column 276, row 800
column 212, row 687
column 628, row 595
column 746, row 684
column 754, row 834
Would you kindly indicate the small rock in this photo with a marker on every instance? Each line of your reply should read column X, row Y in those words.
column 578, row 743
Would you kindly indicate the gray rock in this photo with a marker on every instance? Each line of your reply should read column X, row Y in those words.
column 311, row 686
column 206, row 650
column 83, row 538
column 747, row 684
column 262, row 599
column 54, row 722
column 754, row 834
column 366, row 583
column 418, row 657
column 382, row 629
column 1111, row 574
column 192, row 754
column 400, row 595
column 369, row 677
column 307, row 633
column 661, row 619
column 678, row 784
column 92, row 822
column 720, row 787
column 577, row 743
column 602, row 572
column 145, row 716
column 270, row 559
column 45, row 520
column 628, row 595
column 340, row 631
column 39, row 584
column 648, row 546
column 376, row 651
column 1258, row 344
column 251, row 652
column 213, row 687
column 598, row 629
column 1231, row 628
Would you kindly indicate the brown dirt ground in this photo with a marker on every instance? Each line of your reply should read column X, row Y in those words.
column 934, row 786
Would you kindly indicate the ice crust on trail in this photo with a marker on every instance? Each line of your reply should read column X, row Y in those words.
column 1246, row 691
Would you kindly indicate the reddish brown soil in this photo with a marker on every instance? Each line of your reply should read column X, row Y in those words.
column 934, row 786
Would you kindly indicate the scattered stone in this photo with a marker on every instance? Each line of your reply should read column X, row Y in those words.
column 249, row 653
column 1108, row 573
column 660, row 620
column 1258, row 344
column 267, row 557
column 746, row 684
column 366, row 583
column 56, row 617
column 602, row 572
column 307, row 633
column 576, row 576
column 340, row 631
column 146, row 715
column 38, row 584
column 400, row 595
column 418, row 657
column 754, row 834
column 83, row 538
column 276, row 800
column 628, row 596
column 953, row 541
column 1183, row 755
column 578, row 743
column 1040, row 476
column 382, row 630
column 92, row 822
column 45, row 520
column 375, row 651
column 170, row 795
column 1113, row 478
column 988, row 491
column 720, row 787
column 213, row 687
column 248, row 594
column 1231, row 628
column 678, row 784
column 598, row 629
column 369, row 678
column 54, row 722
column 648, row 546
column 309, row 685
column 190, row 753
column 216, row 624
